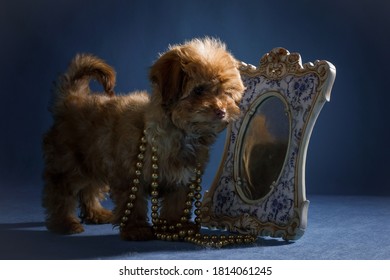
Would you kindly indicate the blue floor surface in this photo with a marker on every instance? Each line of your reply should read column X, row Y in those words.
column 340, row 227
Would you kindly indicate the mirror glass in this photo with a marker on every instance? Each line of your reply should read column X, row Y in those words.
column 263, row 148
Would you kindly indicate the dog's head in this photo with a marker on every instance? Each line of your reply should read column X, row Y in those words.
column 198, row 85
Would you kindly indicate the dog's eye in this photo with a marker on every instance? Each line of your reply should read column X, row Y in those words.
column 199, row 90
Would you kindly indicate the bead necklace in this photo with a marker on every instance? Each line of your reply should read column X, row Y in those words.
column 179, row 231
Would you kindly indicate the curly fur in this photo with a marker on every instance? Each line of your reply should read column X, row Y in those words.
column 93, row 144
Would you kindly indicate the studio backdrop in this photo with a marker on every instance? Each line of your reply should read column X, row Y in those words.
column 348, row 153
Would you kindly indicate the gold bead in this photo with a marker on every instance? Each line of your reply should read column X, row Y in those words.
column 190, row 232
column 155, row 200
column 198, row 196
column 142, row 148
column 163, row 236
column 136, row 181
column 179, row 225
column 154, row 176
column 143, row 139
column 132, row 196
column 134, row 189
column 190, row 195
column 127, row 212
column 154, row 193
column 186, row 211
column 183, row 219
column 154, row 184
column 175, row 236
column 154, row 166
column 192, row 186
column 188, row 203
column 182, row 233
column 140, row 156
column 198, row 188
column 154, row 158
column 154, row 207
column 198, row 220
column 124, row 219
column 139, row 164
column 122, row 225
column 154, row 149
column 198, row 204
column 154, row 215
column 158, row 235
column 129, row 205
column 138, row 172
column 197, row 212
column 169, row 237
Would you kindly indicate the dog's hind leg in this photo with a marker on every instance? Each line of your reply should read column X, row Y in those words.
column 60, row 201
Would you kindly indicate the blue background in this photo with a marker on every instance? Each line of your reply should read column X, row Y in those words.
column 348, row 152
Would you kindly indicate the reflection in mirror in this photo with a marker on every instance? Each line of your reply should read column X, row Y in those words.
column 263, row 148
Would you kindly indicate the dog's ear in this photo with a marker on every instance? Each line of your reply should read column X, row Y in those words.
column 168, row 76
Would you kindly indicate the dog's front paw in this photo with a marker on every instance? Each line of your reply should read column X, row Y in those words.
column 137, row 233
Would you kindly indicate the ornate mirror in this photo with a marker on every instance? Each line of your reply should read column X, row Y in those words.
column 260, row 185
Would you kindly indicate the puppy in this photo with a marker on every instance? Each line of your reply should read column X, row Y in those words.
column 94, row 142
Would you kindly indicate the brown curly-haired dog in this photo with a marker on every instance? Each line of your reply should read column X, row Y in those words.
column 94, row 142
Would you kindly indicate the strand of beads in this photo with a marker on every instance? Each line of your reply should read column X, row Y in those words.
column 136, row 181
column 179, row 231
column 154, row 191
column 161, row 229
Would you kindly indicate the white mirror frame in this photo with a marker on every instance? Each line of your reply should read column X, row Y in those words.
column 283, row 211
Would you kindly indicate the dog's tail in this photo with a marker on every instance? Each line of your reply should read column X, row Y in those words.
column 82, row 69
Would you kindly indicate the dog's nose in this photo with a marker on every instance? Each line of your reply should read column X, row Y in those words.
column 220, row 113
